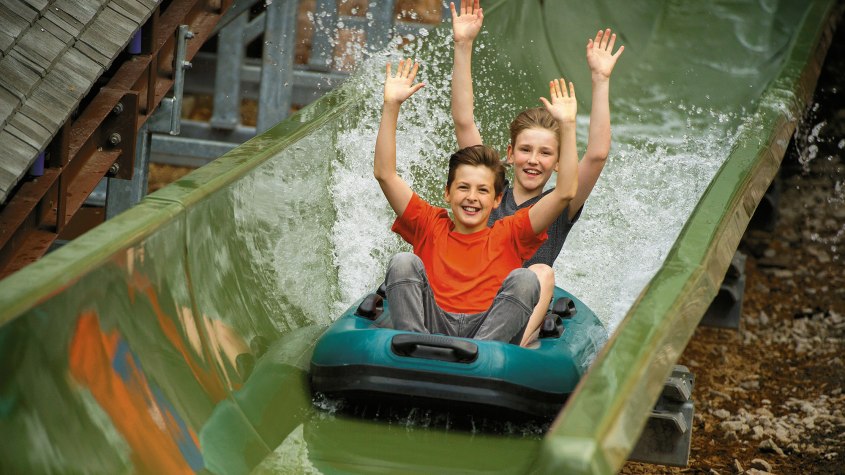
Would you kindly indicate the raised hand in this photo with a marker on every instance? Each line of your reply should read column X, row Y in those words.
column 399, row 87
column 563, row 106
column 466, row 26
column 600, row 55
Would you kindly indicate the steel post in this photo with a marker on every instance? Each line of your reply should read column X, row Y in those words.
column 277, row 63
column 230, row 55
column 123, row 194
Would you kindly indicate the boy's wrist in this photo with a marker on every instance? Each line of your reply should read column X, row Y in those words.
column 465, row 43
column 599, row 78
column 390, row 104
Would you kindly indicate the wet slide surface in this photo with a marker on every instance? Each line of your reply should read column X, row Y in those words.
column 175, row 338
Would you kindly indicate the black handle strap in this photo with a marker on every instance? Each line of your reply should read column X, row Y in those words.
column 436, row 347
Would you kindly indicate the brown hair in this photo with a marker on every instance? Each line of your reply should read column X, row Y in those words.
column 537, row 117
column 478, row 156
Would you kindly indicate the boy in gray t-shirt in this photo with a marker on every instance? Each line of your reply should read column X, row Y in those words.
column 534, row 141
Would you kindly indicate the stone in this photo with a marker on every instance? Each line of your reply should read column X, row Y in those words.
column 769, row 446
column 761, row 464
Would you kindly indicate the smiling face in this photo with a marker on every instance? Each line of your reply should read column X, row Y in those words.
column 472, row 197
column 534, row 157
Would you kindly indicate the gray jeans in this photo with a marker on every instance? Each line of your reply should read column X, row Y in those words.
column 413, row 308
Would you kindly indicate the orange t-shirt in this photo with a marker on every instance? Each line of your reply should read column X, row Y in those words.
column 466, row 270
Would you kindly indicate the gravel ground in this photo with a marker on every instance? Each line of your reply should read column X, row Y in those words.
column 770, row 397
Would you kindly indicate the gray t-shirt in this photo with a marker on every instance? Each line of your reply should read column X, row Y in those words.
column 558, row 230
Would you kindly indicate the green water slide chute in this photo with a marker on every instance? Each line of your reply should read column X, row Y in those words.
column 175, row 337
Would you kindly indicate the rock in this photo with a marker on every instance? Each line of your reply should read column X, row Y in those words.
column 714, row 393
column 761, row 464
column 722, row 414
column 738, row 467
column 769, row 446
column 754, row 471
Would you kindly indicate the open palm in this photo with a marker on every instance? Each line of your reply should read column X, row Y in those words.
column 466, row 26
column 563, row 106
column 600, row 56
column 400, row 86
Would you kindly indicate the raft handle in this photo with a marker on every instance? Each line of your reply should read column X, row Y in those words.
column 434, row 347
column 564, row 307
column 371, row 307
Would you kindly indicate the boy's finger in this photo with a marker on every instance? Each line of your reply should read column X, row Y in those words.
column 389, row 70
column 611, row 42
column 552, row 92
column 605, row 38
column 477, row 5
column 414, row 71
column 571, row 90
column 545, row 103
column 598, row 37
column 454, row 12
column 619, row 51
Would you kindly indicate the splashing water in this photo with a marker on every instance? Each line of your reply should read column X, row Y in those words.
column 657, row 171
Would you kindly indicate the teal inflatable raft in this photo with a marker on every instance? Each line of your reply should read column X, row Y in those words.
column 357, row 359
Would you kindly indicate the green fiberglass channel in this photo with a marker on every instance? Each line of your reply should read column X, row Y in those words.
column 175, row 338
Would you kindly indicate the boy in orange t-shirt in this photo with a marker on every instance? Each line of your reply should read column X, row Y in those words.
column 465, row 278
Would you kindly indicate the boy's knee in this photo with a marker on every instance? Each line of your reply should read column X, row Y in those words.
column 524, row 283
column 404, row 265
column 544, row 273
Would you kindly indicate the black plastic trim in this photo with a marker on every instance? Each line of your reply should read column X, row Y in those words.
column 390, row 382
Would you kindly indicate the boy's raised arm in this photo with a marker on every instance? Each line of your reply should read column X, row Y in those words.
column 464, row 30
column 397, row 88
column 601, row 60
column 563, row 107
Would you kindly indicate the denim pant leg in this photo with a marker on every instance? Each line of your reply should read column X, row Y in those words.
column 409, row 295
column 511, row 308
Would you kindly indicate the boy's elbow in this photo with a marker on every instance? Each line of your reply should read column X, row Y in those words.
column 597, row 156
column 568, row 193
column 463, row 121
column 379, row 176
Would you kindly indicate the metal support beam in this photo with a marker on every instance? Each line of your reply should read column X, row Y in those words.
column 726, row 309
column 122, row 194
column 277, row 63
column 227, row 91
column 667, row 436
column 324, row 40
